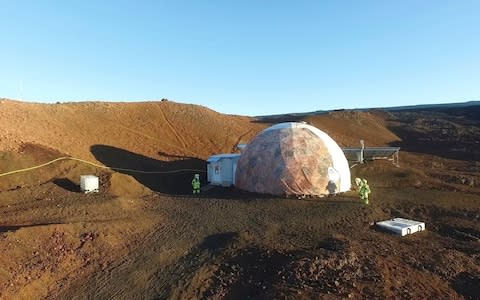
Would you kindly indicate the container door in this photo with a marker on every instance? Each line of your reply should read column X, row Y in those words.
column 217, row 173
column 234, row 169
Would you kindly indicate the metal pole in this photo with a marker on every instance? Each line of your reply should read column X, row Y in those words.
column 362, row 143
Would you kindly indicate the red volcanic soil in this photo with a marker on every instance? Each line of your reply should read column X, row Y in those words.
column 144, row 235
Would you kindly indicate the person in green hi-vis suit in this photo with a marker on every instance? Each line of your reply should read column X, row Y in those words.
column 196, row 184
column 364, row 191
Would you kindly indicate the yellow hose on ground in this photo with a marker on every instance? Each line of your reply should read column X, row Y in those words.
column 100, row 166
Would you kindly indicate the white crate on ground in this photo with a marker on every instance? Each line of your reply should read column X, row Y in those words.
column 89, row 183
column 402, row 226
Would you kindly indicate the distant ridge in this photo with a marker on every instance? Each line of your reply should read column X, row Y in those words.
column 434, row 106
column 295, row 116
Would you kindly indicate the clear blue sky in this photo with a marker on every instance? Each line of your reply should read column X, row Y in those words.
column 242, row 57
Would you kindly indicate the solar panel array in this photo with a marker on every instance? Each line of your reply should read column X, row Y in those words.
column 372, row 153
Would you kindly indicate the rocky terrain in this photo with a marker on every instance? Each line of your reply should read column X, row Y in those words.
column 145, row 236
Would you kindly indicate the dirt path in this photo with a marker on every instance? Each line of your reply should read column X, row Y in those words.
column 168, row 256
column 183, row 257
column 162, row 247
column 172, row 128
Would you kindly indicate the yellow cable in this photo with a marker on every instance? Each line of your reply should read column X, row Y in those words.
column 100, row 166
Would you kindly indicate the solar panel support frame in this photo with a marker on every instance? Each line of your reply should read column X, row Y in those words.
column 360, row 155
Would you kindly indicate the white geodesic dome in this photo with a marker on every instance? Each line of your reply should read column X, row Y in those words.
column 293, row 159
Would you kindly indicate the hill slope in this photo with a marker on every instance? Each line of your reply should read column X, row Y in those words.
column 145, row 128
column 169, row 136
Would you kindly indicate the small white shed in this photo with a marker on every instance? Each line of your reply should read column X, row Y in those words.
column 221, row 169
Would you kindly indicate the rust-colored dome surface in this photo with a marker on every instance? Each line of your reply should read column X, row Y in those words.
column 293, row 159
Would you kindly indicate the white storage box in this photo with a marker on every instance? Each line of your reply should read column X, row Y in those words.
column 402, row 226
column 88, row 183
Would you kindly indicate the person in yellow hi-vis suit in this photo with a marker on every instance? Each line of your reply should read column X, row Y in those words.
column 364, row 191
column 196, row 184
